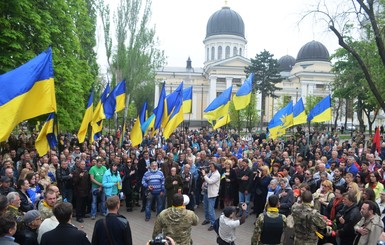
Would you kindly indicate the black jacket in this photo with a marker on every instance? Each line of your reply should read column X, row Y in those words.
column 118, row 231
column 65, row 234
column 351, row 215
column 25, row 205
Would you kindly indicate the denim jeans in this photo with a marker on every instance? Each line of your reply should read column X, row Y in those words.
column 159, row 204
column 209, row 208
column 246, row 199
column 95, row 202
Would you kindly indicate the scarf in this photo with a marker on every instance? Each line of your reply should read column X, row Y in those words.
column 273, row 210
column 336, row 202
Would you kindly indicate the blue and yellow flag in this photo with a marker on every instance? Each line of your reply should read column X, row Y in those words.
column 26, row 92
column 322, row 111
column 148, row 124
column 242, row 98
column 97, row 119
column 46, row 138
column 219, row 107
column 176, row 116
column 282, row 120
column 170, row 103
column 158, row 111
column 222, row 121
column 136, row 135
column 187, row 100
column 116, row 100
column 299, row 113
column 87, row 118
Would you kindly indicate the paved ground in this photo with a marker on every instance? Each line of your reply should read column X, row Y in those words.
column 142, row 230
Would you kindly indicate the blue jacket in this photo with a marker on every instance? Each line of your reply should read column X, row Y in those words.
column 109, row 182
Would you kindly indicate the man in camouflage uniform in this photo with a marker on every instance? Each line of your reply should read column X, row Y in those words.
column 307, row 221
column 176, row 222
column 271, row 231
column 46, row 206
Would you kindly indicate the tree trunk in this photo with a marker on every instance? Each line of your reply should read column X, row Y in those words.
column 263, row 101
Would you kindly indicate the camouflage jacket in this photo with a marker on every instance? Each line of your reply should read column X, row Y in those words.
column 306, row 222
column 176, row 222
column 45, row 210
column 255, row 239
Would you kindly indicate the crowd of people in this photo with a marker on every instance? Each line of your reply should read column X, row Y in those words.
column 268, row 179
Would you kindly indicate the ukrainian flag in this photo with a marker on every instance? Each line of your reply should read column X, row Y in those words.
column 136, row 132
column 158, row 111
column 242, row 98
column 219, row 107
column 98, row 115
column 46, row 138
column 116, row 100
column 26, row 92
column 282, row 120
column 187, row 99
column 322, row 111
column 176, row 116
column 171, row 102
column 299, row 113
column 222, row 121
column 148, row 124
column 86, row 119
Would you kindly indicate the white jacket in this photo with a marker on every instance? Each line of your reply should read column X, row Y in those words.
column 213, row 184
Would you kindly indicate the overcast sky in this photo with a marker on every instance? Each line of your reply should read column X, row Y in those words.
column 273, row 25
column 270, row 24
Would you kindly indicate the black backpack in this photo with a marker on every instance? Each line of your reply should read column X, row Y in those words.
column 216, row 226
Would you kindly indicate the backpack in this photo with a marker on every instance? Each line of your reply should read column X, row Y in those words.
column 216, row 226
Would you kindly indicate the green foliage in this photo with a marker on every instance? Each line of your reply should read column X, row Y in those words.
column 135, row 56
column 247, row 117
column 28, row 27
column 266, row 76
column 311, row 101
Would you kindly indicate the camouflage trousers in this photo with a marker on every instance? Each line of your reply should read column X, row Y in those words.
column 304, row 242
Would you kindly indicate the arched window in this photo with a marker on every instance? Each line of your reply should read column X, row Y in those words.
column 212, row 53
column 240, row 52
column 219, row 52
column 208, row 54
column 227, row 55
column 235, row 51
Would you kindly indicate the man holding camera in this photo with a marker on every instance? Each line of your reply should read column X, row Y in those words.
column 228, row 223
column 210, row 189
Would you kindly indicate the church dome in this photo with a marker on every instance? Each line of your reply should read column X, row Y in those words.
column 313, row 51
column 225, row 22
column 286, row 63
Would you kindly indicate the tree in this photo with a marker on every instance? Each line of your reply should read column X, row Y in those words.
column 358, row 15
column 135, row 56
column 266, row 77
column 30, row 26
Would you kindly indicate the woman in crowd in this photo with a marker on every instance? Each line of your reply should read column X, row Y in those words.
column 45, row 180
column 323, row 196
column 35, row 190
column 286, row 197
column 338, row 180
column 261, row 182
column 228, row 179
column 360, row 180
column 25, row 168
column 112, row 182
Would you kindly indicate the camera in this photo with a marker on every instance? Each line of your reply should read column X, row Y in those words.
column 205, row 168
column 160, row 239
column 239, row 207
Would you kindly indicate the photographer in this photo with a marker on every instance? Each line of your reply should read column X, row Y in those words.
column 228, row 223
column 210, row 190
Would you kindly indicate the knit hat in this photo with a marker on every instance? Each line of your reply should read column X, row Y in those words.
column 30, row 216
column 281, row 173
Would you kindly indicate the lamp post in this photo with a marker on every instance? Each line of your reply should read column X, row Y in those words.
column 296, row 94
column 202, row 106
